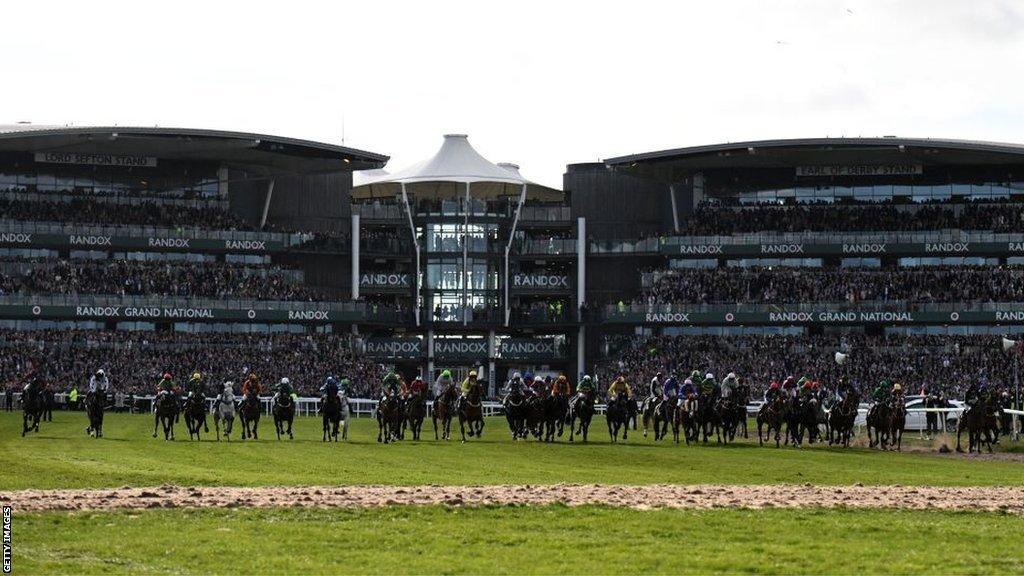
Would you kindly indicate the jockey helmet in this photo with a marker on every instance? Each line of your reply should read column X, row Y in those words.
column 658, row 374
column 586, row 378
column 516, row 376
column 167, row 375
column 472, row 373
column 775, row 385
column 99, row 372
column 446, row 373
column 688, row 382
column 709, row 376
column 285, row 381
column 228, row 385
column 344, row 384
column 196, row 376
column 731, row 376
column 807, row 384
column 330, row 379
column 896, row 388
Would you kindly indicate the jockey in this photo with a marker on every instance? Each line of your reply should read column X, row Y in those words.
column 773, row 392
column 973, row 394
column 330, row 387
column 443, row 382
column 686, row 393
column 392, row 385
column 539, row 386
column 805, row 388
column 560, row 386
column 730, row 383
column 251, row 386
column 195, row 385
column 881, row 392
column 586, row 386
column 656, row 386
column 696, row 380
column 619, row 388
column 98, row 383
column 670, row 390
column 789, row 387
column 467, row 386
column 284, row 388
column 418, row 387
column 165, row 386
column 897, row 392
column 343, row 387
column 709, row 387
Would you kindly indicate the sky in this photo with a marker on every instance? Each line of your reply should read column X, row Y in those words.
column 541, row 84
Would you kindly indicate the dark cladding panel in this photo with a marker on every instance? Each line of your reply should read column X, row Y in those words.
column 617, row 205
column 319, row 202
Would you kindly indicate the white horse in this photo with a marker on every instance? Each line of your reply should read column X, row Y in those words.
column 224, row 409
column 343, row 397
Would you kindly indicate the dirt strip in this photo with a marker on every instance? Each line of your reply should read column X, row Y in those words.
column 1006, row 499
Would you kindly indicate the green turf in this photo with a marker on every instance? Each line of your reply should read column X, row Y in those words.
column 62, row 456
column 545, row 540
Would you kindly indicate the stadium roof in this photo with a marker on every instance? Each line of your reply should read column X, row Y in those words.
column 455, row 164
column 259, row 152
column 678, row 162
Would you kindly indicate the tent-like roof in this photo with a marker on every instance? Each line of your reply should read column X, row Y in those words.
column 258, row 152
column 446, row 174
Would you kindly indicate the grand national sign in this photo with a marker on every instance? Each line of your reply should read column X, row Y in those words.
column 807, row 315
column 116, row 313
column 541, row 282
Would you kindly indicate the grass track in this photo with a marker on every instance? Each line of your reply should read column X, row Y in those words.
column 548, row 540
column 61, row 456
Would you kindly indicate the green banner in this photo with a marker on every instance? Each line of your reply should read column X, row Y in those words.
column 149, row 243
column 178, row 314
column 1011, row 314
column 852, row 250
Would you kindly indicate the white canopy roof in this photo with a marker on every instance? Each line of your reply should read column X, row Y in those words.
column 446, row 174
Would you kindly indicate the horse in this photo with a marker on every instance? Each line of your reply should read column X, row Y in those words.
column 683, row 421
column 249, row 416
column 224, row 411
column 742, row 395
column 32, row 404
column 663, row 414
column 647, row 406
column 535, row 416
column 556, row 409
column 471, row 411
column 730, row 420
column 975, row 421
column 897, row 421
column 515, row 413
column 771, row 414
column 330, row 415
column 842, row 418
column 165, row 412
column 195, row 415
column 415, row 413
column 708, row 418
column 389, row 419
column 618, row 417
column 810, row 409
column 444, row 408
column 878, row 420
column 284, row 413
column 94, row 411
column 581, row 408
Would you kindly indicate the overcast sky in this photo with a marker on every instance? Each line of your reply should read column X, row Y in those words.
column 542, row 84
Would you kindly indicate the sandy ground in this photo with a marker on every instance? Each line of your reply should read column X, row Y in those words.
column 639, row 497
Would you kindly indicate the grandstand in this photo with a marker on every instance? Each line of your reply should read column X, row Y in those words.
column 118, row 238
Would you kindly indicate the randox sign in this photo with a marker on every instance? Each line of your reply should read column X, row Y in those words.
column 408, row 348
column 528, row 349
column 149, row 243
column 177, row 314
column 392, row 280
column 850, row 249
column 1011, row 314
column 522, row 281
column 466, row 348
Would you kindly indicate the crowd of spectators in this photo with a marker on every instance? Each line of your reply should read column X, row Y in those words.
column 142, row 278
column 86, row 211
column 135, row 361
column 936, row 363
column 780, row 285
column 712, row 219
